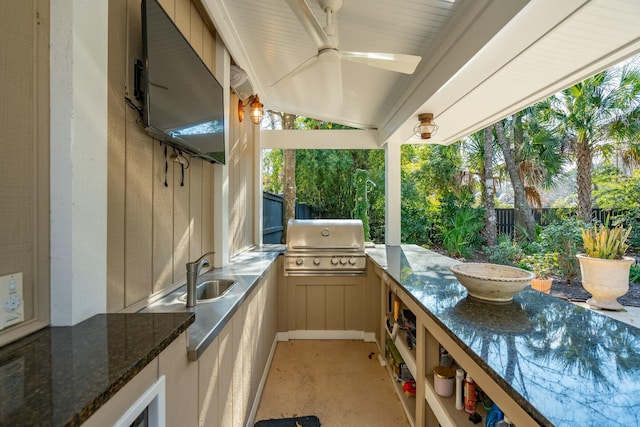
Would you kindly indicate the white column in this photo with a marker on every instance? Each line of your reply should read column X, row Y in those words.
column 393, row 194
column 221, row 173
column 257, row 200
column 79, row 42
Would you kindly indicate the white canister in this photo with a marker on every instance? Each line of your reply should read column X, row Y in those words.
column 444, row 381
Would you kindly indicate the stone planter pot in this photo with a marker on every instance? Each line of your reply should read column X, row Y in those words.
column 605, row 279
column 542, row 285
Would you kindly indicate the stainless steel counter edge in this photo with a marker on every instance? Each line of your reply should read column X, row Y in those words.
column 247, row 268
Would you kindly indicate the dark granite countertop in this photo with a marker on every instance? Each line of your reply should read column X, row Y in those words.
column 62, row 375
column 564, row 364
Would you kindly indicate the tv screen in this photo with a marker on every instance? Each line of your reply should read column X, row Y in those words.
column 183, row 100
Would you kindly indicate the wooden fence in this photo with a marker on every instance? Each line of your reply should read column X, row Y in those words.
column 505, row 217
column 273, row 216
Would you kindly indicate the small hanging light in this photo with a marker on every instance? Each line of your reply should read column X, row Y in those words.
column 427, row 127
column 256, row 111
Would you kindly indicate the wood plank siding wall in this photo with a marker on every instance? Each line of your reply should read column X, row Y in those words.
column 24, row 162
column 242, row 191
column 153, row 229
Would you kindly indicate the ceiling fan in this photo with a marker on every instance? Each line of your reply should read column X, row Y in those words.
column 326, row 40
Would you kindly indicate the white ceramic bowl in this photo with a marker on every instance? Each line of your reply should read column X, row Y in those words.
column 492, row 282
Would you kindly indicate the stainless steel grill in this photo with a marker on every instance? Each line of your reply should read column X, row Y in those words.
column 325, row 247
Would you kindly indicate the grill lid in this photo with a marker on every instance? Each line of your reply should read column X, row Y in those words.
column 325, row 235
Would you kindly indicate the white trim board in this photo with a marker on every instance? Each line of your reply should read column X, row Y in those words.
column 327, row 335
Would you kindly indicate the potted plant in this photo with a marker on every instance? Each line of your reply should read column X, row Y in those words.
column 604, row 268
column 543, row 266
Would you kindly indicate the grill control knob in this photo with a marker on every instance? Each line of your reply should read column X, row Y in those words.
column 299, row 261
column 334, row 261
column 316, row 261
column 352, row 261
column 343, row 261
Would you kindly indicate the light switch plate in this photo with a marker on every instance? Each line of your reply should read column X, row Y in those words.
column 11, row 301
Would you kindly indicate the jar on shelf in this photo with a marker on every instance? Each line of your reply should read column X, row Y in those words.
column 444, row 381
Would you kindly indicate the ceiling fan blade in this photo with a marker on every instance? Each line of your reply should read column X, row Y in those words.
column 300, row 68
column 309, row 22
column 387, row 61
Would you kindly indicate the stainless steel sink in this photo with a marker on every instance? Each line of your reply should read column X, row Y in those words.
column 212, row 289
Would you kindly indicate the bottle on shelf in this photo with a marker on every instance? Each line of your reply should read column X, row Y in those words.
column 459, row 389
column 469, row 395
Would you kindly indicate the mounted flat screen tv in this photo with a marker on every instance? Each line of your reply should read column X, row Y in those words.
column 183, row 101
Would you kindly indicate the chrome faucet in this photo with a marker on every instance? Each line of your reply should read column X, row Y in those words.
column 193, row 270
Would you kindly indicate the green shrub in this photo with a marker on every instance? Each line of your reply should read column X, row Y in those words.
column 634, row 274
column 602, row 241
column 461, row 234
column 543, row 265
column 565, row 239
column 506, row 252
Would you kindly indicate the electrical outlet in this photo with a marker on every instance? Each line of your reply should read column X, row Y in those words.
column 11, row 301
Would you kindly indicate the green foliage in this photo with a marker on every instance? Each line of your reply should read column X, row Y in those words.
column 605, row 242
column 461, row 234
column 615, row 190
column 272, row 168
column 430, row 174
column 506, row 252
column 634, row 274
column 631, row 219
column 361, row 210
column 563, row 238
column 542, row 265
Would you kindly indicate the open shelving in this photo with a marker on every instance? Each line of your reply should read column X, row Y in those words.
column 422, row 355
column 408, row 355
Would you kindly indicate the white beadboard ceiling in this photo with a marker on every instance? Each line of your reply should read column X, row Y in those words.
column 482, row 59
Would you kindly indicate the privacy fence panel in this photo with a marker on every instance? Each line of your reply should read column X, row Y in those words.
column 273, row 216
column 506, row 217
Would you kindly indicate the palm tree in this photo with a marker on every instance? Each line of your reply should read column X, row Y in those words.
column 591, row 114
column 479, row 152
column 491, row 232
column 522, row 211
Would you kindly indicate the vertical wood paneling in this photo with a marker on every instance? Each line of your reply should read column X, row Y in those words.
column 116, row 155
column 196, row 29
column 225, row 375
column 259, row 318
column 284, row 310
column 241, row 170
column 298, row 316
column 195, row 209
column 207, row 207
column 208, row 375
column 316, row 306
column 183, row 17
column 335, row 307
column 169, row 6
column 354, row 308
column 181, row 378
column 138, row 212
column 19, row 89
column 180, row 223
column 238, row 357
column 207, row 48
column 153, row 230
column 162, row 217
